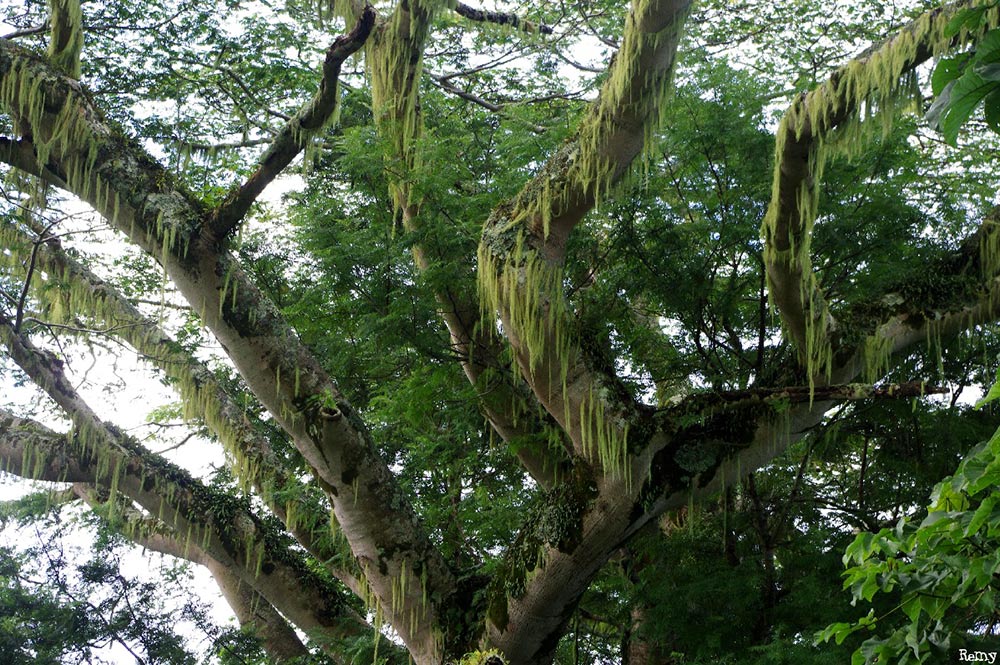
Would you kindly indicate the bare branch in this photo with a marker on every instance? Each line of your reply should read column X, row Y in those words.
column 445, row 85
column 501, row 18
column 27, row 32
column 295, row 135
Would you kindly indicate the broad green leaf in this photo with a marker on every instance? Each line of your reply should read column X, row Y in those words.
column 991, row 109
column 983, row 513
column 969, row 19
column 969, row 90
column 994, row 393
column 946, row 71
column 988, row 48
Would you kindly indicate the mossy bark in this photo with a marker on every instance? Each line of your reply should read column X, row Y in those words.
column 141, row 199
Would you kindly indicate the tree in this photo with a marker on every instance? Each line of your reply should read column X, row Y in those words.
column 518, row 332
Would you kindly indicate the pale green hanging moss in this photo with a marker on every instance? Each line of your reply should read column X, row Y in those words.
column 66, row 35
column 838, row 118
column 592, row 170
column 64, row 131
column 66, row 296
column 528, row 290
column 516, row 279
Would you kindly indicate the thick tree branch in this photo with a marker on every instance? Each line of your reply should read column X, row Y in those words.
column 295, row 135
column 733, row 400
column 20, row 154
column 874, row 80
column 66, row 35
column 955, row 294
column 252, row 610
column 522, row 247
column 613, row 133
column 221, row 527
column 520, row 261
column 124, row 184
column 29, row 450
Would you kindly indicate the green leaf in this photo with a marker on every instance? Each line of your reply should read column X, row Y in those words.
column 969, row 19
column 969, row 90
column 983, row 513
column 911, row 608
column 991, row 110
column 988, row 47
column 946, row 71
column 993, row 394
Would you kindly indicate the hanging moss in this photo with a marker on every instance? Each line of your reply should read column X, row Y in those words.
column 837, row 118
column 527, row 289
column 66, row 40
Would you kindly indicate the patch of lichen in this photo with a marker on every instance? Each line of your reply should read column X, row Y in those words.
column 394, row 60
column 555, row 520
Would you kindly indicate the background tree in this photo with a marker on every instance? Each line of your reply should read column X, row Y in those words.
column 540, row 359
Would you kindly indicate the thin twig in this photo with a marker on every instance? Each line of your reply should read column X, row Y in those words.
column 42, row 237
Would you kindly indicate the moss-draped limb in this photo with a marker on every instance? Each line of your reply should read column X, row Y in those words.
column 959, row 291
column 141, row 199
column 953, row 294
column 616, row 129
column 394, row 63
column 223, row 528
column 829, row 118
column 252, row 610
column 521, row 251
column 520, row 276
column 296, row 134
column 31, row 451
column 79, row 292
